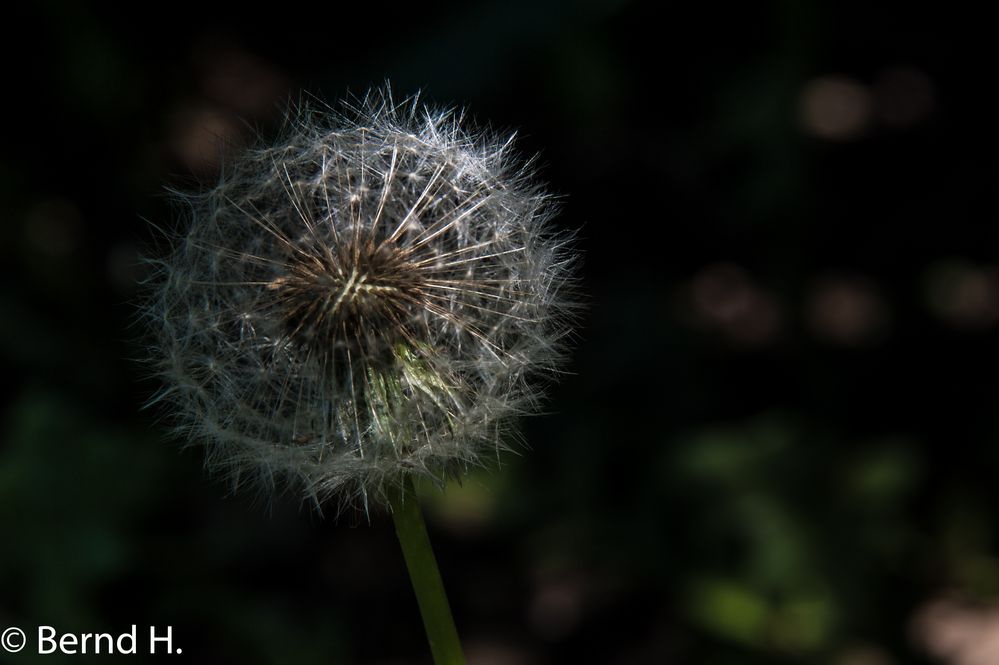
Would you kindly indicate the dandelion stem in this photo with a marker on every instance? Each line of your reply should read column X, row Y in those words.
column 425, row 576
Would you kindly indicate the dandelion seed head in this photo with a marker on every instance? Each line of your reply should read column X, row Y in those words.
column 378, row 293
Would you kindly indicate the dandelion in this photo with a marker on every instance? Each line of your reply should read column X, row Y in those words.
column 372, row 298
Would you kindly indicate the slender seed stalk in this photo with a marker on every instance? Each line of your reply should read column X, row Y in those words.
column 425, row 576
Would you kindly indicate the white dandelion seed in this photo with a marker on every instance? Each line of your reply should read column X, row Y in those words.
column 373, row 296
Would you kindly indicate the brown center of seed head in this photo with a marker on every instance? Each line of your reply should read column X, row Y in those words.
column 362, row 298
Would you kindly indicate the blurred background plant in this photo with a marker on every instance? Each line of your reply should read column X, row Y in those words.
column 780, row 440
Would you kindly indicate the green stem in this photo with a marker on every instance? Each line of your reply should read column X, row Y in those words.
column 426, row 578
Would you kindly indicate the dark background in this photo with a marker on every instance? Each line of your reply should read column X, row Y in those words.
column 779, row 442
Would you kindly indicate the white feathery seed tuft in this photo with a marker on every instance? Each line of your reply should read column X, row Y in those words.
column 374, row 295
